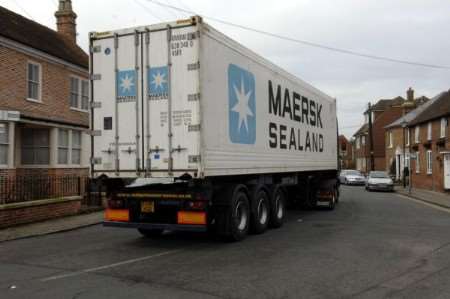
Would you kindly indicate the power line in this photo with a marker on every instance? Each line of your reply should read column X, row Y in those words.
column 23, row 9
column 148, row 10
column 308, row 43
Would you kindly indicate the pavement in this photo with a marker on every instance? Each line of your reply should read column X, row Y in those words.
column 431, row 197
column 51, row 226
column 373, row 245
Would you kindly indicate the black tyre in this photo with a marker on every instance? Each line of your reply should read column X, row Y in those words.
column 260, row 211
column 150, row 233
column 277, row 207
column 332, row 203
column 233, row 214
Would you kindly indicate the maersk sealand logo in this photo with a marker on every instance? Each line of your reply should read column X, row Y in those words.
column 241, row 105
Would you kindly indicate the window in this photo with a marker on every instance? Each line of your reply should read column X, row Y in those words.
column 443, row 127
column 429, row 162
column 79, row 93
column 417, row 162
column 34, row 81
column 357, row 143
column 416, row 134
column 429, row 131
column 35, row 146
column 76, row 147
column 407, row 137
column 84, row 94
column 390, row 139
column 363, row 140
column 63, row 146
column 4, row 144
column 74, row 92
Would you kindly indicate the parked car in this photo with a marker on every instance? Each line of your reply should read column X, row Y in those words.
column 351, row 177
column 379, row 180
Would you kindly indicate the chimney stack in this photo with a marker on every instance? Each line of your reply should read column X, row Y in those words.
column 65, row 21
column 410, row 95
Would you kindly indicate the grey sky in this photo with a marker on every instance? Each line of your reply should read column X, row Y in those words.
column 404, row 29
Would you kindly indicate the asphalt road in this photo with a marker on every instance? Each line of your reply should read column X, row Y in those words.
column 374, row 245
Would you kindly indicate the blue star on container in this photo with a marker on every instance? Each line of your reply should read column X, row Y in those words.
column 158, row 80
column 126, row 81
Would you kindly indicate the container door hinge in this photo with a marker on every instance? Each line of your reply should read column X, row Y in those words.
column 96, row 160
column 95, row 105
column 95, row 133
column 95, row 77
column 95, row 49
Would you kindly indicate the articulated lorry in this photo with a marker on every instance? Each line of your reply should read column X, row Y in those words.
column 193, row 131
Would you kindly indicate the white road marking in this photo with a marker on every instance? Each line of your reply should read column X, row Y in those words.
column 424, row 203
column 81, row 272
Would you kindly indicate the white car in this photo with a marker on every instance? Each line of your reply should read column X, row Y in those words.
column 351, row 177
column 379, row 180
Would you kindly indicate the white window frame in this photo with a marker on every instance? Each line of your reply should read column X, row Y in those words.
column 39, row 99
column 390, row 144
column 363, row 140
column 79, row 93
column 79, row 148
column 429, row 130
column 416, row 134
column 429, row 159
column 357, row 142
column 417, row 162
column 407, row 136
column 63, row 147
column 443, row 127
column 5, row 144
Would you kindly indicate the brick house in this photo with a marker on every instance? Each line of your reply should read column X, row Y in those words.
column 345, row 153
column 397, row 138
column 383, row 113
column 44, row 98
column 429, row 139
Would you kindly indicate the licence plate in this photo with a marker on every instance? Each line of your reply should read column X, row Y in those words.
column 147, row 206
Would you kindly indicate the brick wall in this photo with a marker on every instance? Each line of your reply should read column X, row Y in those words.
column 22, row 215
column 435, row 180
column 55, row 88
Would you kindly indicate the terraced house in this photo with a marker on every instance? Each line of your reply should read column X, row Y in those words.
column 429, row 139
column 44, row 98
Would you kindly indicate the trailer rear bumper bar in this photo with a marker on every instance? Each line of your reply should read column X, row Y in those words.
column 173, row 227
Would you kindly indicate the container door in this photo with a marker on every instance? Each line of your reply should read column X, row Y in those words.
column 171, row 121
column 117, row 89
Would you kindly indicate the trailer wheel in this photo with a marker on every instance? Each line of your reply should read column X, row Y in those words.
column 150, row 233
column 261, row 211
column 277, row 207
column 333, row 201
column 233, row 214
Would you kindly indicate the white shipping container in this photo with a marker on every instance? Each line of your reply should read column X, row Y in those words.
column 182, row 98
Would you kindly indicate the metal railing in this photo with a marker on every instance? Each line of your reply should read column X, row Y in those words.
column 27, row 188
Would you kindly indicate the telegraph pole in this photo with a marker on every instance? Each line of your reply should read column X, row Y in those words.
column 372, row 162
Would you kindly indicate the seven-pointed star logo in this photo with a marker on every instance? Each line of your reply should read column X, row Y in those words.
column 126, row 83
column 158, row 80
column 242, row 105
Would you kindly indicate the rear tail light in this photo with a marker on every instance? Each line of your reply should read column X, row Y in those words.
column 117, row 215
column 190, row 217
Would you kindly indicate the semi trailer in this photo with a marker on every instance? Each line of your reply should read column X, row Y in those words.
column 193, row 131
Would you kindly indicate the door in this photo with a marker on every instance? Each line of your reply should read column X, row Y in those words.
column 118, row 91
column 447, row 171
